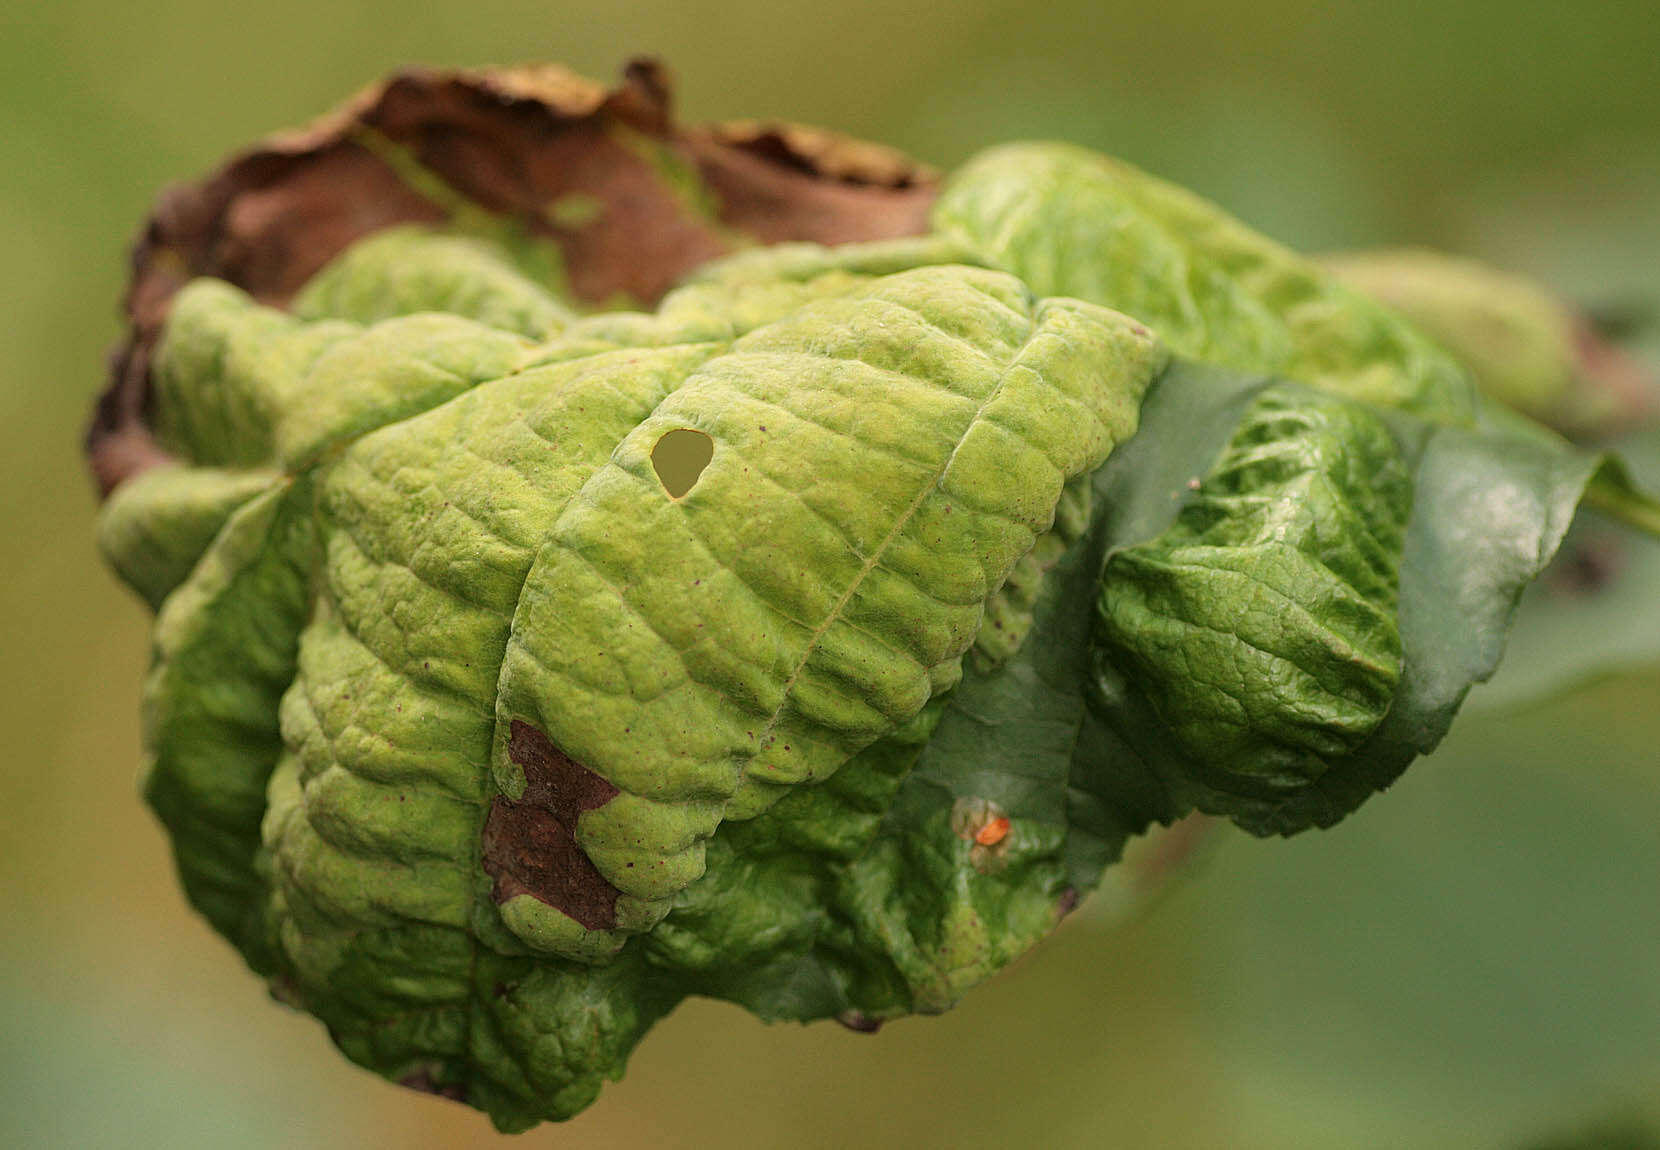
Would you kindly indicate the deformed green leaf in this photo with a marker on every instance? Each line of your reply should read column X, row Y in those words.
column 1074, row 222
column 888, row 918
column 225, row 652
column 812, row 640
column 1261, row 624
column 154, row 528
column 514, row 722
column 940, row 412
column 411, row 269
column 1059, row 745
column 243, row 384
column 1489, row 509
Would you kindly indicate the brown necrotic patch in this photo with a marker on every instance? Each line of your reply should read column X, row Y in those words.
column 530, row 843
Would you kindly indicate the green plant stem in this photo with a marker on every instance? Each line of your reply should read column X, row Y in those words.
column 1633, row 508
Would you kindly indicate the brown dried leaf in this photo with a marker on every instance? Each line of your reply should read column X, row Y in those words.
column 660, row 200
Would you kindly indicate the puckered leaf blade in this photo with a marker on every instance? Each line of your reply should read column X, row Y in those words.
column 887, row 742
column 225, row 647
column 155, row 528
column 1261, row 624
column 384, row 920
column 1078, row 771
column 1490, row 507
column 760, row 630
column 935, row 855
column 1074, row 222
column 407, row 270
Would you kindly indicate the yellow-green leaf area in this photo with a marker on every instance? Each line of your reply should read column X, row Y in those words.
column 1073, row 222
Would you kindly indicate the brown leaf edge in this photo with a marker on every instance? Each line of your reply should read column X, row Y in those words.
column 658, row 200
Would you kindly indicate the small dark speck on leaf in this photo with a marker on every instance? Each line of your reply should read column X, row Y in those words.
column 422, row 1080
column 283, row 990
column 859, row 1022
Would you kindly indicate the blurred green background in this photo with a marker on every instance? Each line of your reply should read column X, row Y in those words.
column 1472, row 961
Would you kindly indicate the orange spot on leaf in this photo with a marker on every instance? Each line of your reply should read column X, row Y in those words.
column 993, row 832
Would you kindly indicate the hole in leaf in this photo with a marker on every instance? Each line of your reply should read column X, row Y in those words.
column 680, row 457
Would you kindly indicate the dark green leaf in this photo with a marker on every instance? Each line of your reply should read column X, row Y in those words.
column 1593, row 610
